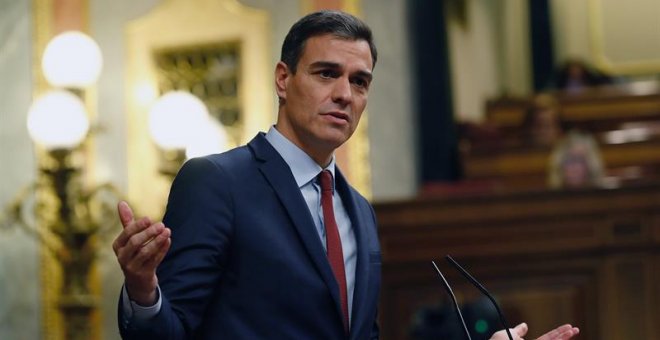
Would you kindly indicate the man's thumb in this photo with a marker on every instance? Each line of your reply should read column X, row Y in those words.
column 125, row 213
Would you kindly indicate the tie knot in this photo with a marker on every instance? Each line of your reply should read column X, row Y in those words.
column 326, row 180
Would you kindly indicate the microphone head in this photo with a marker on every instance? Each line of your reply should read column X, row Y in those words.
column 437, row 321
column 481, row 318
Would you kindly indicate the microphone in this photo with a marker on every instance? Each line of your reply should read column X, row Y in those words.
column 484, row 291
column 453, row 298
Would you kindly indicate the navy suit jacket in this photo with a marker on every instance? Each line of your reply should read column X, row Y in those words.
column 246, row 261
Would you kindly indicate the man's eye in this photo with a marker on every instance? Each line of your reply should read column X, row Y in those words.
column 325, row 74
column 361, row 82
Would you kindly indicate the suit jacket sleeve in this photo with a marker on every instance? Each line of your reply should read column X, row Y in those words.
column 199, row 213
column 375, row 329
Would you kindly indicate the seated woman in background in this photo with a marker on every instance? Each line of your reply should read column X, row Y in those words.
column 541, row 124
column 576, row 163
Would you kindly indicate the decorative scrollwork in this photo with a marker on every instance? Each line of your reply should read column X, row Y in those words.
column 68, row 220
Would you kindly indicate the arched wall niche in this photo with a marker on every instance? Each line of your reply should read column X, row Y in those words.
column 184, row 29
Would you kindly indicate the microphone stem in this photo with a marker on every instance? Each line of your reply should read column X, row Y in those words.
column 453, row 298
column 484, row 291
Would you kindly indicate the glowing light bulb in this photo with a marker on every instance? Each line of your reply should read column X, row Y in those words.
column 175, row 118
column 72, row 60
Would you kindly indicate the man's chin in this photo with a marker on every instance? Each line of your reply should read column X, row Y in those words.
column 336, row 135
column 336, row 141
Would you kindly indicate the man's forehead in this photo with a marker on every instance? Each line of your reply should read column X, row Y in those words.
column 328, row 49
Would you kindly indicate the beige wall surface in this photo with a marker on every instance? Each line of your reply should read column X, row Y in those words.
column 489, row 54
column 626, row 35
column 392, row 119
column 570, row 28
column 620, row 21
column 621, row 37
column 473, row 57
column 20, row 311
column 515, row 76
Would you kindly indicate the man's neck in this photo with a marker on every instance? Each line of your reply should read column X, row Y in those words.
column 322, row 158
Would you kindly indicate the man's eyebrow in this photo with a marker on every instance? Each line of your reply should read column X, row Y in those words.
column 365, row 74
column 333, row 65
column 324, row 64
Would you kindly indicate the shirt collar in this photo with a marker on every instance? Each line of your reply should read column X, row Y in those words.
column 303, row 167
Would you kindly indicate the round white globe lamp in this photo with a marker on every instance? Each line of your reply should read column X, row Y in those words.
column 58, row 120
column 175, row 118
column 72, row 60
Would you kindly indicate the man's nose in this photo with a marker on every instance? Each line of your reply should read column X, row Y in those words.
column 342, row 91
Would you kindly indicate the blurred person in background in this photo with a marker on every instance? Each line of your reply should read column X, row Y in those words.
column 576, row 163
column 542, row 125
column 575, row 75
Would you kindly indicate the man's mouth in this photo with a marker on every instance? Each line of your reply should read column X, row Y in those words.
column 338, row 115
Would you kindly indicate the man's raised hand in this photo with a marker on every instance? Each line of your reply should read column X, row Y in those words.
column 140, row 248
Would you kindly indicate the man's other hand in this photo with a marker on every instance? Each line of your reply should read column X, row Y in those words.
column 562, row 332
column 140, row 248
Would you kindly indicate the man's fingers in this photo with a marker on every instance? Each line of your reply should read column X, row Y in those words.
column 560, row 330
column 152, row 252
column 162, row 241
column 573, row 331
column 560, row 333
column 137, row 241
column 144, row 222
column 125, row 213
column 139, row 266
column 129, row 230
column 131, row 226
column 521, row 329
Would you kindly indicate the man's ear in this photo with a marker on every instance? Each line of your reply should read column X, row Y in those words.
column 282, row 75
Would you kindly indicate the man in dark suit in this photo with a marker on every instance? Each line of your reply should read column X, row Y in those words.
column 267, row 240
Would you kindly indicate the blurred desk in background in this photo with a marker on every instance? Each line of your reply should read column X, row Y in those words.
column 589, row 257
column 598, row 109
column 527, row 168
column 624, row 119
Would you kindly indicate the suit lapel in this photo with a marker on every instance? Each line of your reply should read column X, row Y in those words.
column 362, row 265
column 278, row 174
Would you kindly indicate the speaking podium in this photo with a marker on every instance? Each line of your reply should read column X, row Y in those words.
column 589, row 257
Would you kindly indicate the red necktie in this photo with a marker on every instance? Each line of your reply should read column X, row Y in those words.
column 335, row 253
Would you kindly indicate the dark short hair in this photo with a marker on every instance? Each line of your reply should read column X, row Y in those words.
column 336, row 23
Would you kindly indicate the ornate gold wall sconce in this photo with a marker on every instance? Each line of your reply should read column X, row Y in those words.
column 64, row 214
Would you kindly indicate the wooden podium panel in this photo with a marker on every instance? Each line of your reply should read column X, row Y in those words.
column 591, row 258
